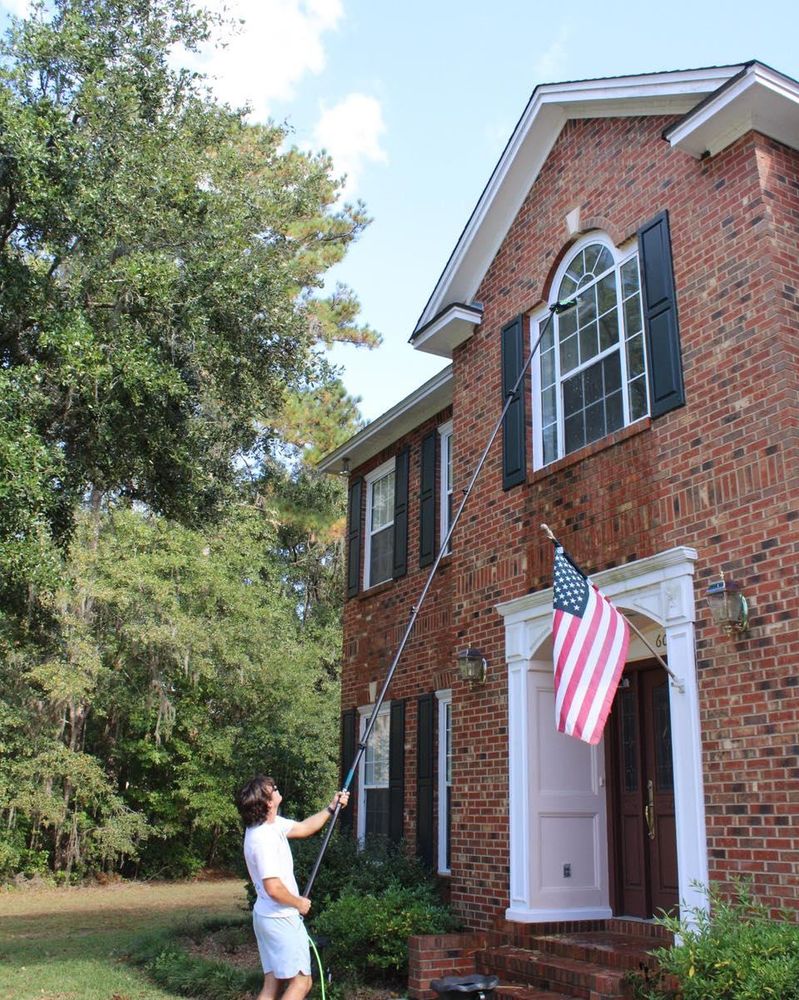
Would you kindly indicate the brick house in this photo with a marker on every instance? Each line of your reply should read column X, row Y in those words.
column 658, row 435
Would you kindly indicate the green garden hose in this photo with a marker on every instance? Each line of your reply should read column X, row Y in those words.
column 319, row 963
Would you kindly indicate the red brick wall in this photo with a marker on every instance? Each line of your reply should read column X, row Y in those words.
column 720, row 474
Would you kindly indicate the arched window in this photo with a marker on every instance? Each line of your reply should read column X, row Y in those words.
column 590, row 376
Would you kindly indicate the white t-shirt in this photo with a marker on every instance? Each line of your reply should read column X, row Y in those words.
column 268, row 855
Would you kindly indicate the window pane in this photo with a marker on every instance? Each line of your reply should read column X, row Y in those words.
column 383, row 501
column 638, row 407
column 550, row 443
column 567, row 288
column 589, row 342
column 586, row 306
column 549, row 400
column 594, row 386
column 604, row 261
column 608, row 330
column 629, row 278
column 567, row 324
column 375, row 771
column 632, row 316
column 614, row 412
column 612, row 371
column 575, row 433
column 547, row 368
column 606, row 293
column 595, row 422
column 568, row 354
column 635, row 356
column 381, row 562
column 376, row 812
column 590, row 255
column 573, row 395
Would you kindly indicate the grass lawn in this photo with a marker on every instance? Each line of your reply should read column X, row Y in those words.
column 68, row 944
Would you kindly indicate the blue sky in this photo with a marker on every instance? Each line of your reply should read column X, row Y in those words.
column 415, row 101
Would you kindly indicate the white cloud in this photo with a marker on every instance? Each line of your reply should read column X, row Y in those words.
column 350, row 131
column 551, row 64
column 263, row 58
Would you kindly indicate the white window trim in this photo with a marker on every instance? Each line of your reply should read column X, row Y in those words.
column 369, row 479
column 620, row 256
column 444, row 698
column 365, row 712
column 444, row 435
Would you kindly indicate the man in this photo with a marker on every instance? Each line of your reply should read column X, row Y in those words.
column 279, row 908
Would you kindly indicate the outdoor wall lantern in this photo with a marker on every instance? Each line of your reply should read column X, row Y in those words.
column 472, row 666
column 728, row 606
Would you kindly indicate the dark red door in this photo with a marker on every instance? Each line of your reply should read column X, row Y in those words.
column 641, row 801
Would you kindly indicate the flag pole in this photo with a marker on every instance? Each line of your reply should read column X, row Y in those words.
column 556, row 307
column 675, row 680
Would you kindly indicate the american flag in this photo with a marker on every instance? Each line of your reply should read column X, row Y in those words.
column 590, row 647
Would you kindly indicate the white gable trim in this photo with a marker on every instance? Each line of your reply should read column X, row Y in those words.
column 760, row 99
column 549, row 108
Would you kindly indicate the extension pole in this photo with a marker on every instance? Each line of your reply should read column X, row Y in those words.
column 558, row 307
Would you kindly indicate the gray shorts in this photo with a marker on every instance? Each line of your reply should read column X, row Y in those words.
column 282, row 945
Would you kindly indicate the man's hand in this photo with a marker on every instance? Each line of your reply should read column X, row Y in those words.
column 343, row 797
column 303, row 905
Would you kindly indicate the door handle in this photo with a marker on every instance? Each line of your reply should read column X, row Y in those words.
column 649, row 809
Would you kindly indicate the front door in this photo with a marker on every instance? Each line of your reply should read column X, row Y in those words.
column 642, row 828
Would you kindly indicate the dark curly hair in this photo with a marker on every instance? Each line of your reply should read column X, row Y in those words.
column 253, row 800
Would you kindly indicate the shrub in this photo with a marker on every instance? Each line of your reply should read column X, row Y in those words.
column 734, row 951
column 348, row 867
column 369, row 932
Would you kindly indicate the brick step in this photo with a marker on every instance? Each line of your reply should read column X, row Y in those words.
column 611, row 949
column 576, row 979
column 514, row 991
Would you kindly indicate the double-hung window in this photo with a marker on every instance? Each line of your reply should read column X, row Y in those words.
column 379, row 548
column 444, row 780
column 446, row 495
column 373, row 808
column 589, row 377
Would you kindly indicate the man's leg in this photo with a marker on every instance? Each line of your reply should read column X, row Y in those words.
column 297, row 988
column 269, row 990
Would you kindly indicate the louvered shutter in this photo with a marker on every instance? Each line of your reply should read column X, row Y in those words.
column 348, row 723
column 427, row 501
column 396, row 771
column 666, row 391
column 401, row 514
column 514, row 451
column 354, row 538
column 425, row 769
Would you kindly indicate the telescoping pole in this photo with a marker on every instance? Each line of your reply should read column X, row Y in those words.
column 558, row 307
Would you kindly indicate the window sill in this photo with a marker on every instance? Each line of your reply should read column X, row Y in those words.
column 632, row 430
column 379, row 588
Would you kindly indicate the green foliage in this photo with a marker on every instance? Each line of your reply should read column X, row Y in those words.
column 346, row 866
column 167, row 962
column 160, row 260
column 735, row 951
column 169, row 598
column 369, row 931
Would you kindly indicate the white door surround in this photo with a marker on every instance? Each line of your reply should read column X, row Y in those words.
column 558, row 827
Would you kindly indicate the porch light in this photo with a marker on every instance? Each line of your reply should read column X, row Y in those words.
column 728, row 606
column 472, row 666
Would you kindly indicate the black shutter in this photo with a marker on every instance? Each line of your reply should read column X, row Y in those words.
column 396, row 771
column 427, row 501
column 425, row 769
column 401, row 514
column 514, row 451
column 348, row 722
column 660, row 317
column 354, row 539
